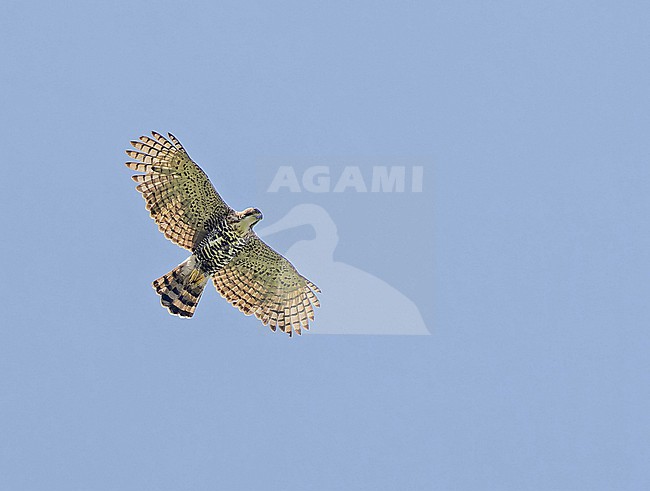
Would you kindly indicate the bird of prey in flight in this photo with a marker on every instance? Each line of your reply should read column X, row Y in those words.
column 189, row 212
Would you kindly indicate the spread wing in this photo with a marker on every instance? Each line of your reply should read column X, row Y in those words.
column 260, row 281
column 179, row 196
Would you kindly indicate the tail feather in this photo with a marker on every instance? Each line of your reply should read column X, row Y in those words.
column 181, row 288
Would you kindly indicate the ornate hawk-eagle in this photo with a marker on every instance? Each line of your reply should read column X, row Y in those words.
column 189, row 211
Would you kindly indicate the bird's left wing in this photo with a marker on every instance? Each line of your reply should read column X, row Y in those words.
column 179, row 196
column 260, row 281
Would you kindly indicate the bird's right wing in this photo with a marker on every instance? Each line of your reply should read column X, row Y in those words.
column 179, row 196
column 260, row 281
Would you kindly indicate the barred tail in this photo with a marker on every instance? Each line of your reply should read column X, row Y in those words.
column 181, row 288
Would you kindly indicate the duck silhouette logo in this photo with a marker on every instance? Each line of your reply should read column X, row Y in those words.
column 353, row 301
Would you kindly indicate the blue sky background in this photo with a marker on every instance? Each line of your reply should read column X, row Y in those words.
column 535, row 117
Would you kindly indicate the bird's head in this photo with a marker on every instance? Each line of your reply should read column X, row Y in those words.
column 247, row 219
